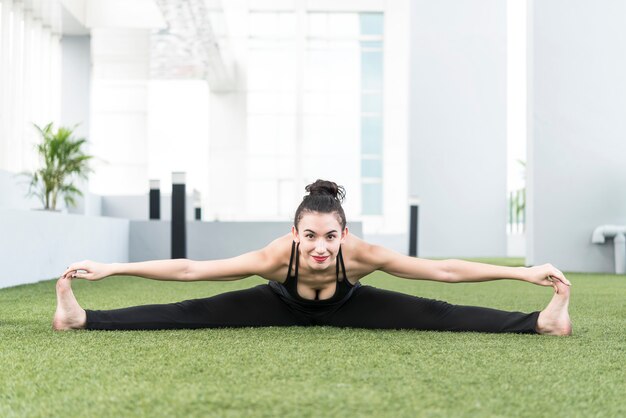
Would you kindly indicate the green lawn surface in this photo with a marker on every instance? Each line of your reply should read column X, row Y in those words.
column 313, row 371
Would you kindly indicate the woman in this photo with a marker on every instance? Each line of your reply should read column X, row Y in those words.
column 313, row 275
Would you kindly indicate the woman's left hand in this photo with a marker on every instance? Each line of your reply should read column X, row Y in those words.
column 545, row 275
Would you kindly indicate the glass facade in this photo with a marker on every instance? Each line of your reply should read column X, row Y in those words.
column 371, row 52
column 271, row 112
column 313, row 86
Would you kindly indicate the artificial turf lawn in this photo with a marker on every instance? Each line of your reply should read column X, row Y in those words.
column 316, row 371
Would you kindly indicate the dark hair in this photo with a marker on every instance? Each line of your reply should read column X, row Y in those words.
column 324, row 197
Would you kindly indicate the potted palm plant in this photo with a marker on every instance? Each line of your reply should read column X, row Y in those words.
column 63, row 161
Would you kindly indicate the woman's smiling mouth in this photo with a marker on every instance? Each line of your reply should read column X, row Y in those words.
column 320, row 259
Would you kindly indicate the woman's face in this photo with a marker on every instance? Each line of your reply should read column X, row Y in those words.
column 319, row 235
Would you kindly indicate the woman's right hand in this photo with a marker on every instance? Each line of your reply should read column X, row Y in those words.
column 88, row 270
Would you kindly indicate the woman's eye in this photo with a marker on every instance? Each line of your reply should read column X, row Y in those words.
column 331, row 236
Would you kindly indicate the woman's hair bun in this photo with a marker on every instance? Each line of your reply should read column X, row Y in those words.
column 324, row 197
column 325, row 187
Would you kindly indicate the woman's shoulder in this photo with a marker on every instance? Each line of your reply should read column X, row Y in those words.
column 371, row 256
column 356, row 255
column 355, row 247
column 278, row 254
column 354, row 244
column 280, row 248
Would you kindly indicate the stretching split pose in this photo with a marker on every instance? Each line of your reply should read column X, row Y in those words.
column 313, row 278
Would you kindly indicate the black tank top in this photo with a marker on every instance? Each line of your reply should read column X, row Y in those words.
column 342, row 288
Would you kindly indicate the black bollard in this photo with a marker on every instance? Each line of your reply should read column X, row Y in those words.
column 197, row 205
column 155, row 199
column 179, row 225
column 413, row 226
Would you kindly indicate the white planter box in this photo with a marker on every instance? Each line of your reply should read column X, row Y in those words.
column 39, row 245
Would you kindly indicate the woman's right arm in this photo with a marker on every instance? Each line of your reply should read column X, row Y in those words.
column 157, row 269
column 260, row 262
column 255, row 262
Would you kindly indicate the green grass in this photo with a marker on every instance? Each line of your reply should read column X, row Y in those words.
column 318, row 371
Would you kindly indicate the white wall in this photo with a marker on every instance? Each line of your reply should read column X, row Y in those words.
column 458, row 126
column 39, row 245
column 577, row 131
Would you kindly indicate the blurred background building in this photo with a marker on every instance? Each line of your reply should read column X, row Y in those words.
column 500, row 118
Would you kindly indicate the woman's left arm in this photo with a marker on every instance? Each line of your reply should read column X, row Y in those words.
column 468, row 271
column 455, row 271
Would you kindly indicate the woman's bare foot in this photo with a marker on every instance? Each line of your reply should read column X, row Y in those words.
column 69, row 314
column 554, row 319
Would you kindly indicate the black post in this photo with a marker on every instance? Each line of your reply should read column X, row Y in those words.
column 179, row 233
column 197, row 205
column 413, row 227
column 155, row 199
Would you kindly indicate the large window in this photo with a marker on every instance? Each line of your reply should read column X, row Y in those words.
column 272, row 107
column 314, row 98
column 371, row 31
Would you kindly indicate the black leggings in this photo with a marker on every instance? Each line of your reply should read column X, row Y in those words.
column 368, row 307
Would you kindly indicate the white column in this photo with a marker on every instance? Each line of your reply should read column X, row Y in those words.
column 28, row 159
column 35, row 72
column 55, row 78
column 396, row 78
column 14, row 112
column 44, row 75
column 5, row 80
